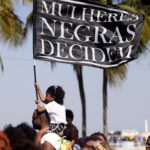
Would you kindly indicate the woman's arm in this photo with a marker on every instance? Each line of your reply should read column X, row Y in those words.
column 74, row 136
column 39, row 135
column 37, row 87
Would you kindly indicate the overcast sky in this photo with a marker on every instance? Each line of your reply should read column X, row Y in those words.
column 128, row 104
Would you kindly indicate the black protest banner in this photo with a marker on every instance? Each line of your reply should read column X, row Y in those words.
column 85, row 32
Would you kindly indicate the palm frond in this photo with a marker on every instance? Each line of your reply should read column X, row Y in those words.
column 142, row 5
column 116, row 75
column 6, row 3
column 145, row 36
column 30, row 19
column 11, row 29
column 29, row 22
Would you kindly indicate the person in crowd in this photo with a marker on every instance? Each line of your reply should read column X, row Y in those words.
column 47, row 140
column 53, row 104
column 14, row 134
column 4, row 142
column 71, row 131
column 147, row 143
column 96, row 141
column 29, row 131
column 23, row 132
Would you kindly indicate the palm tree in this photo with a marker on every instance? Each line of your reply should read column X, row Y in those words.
column 114, row 77
column 111, row 76
column 79, row 74
column 11, row 27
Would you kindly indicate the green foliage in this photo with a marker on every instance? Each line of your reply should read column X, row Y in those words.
column 11, row 27
column 145, row 36
column 6, row 3
column 142, row 5
column 116, row 75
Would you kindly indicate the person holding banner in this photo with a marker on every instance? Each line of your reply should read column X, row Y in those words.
column 53, row 104
column 44, row 139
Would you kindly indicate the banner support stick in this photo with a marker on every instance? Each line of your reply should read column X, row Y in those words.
column 35, row 81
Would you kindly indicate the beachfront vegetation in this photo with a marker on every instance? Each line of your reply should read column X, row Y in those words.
column 11, row 27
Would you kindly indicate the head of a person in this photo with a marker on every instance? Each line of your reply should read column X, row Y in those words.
column 14, row 133
column 69, row 115
column 94, row 145
column 147, row 144
column 4, row 142
column 55, row 93
column 38, row 118
column 28, row 130
column 101, row 138
column 98, row 136
column 96, row 141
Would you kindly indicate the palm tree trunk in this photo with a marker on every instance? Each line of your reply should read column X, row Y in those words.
column 82, row 96
column 105, row 98
column 105, row 126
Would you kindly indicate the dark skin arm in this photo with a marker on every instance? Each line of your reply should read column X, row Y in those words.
column 38, row 138
column 74, row 135
column 47, row 146
column 39, row 135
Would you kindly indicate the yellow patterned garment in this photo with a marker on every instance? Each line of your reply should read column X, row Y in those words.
column 65, row 145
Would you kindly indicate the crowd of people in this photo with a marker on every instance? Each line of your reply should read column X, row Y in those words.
column 53, row 128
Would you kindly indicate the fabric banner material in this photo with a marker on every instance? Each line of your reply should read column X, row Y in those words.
column 86, row 33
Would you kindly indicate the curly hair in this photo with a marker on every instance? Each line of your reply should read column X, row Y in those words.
column 14, row 134
column 28, row 130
